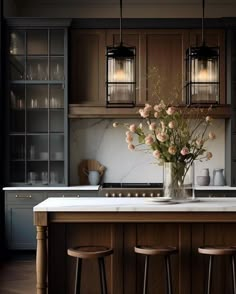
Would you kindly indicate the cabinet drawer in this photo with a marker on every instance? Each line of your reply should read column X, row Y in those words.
column 25, row 197
column 64, row 194
column 78, row 193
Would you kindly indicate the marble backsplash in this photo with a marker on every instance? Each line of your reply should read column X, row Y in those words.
column 97, row 139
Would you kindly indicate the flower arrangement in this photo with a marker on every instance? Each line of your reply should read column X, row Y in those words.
column 171, row 136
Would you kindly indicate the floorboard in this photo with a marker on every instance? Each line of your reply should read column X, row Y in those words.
column 17, row 274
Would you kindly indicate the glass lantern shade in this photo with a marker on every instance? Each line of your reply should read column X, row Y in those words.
column 202, row 75
column 121, row 89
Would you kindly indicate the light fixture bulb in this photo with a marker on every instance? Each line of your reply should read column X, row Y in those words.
column 120, row 76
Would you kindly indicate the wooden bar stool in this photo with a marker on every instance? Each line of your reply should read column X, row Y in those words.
column 155, row 250
column 218, row 250
column 86, row 252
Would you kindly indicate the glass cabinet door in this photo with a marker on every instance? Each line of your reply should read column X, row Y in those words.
column 37, row 116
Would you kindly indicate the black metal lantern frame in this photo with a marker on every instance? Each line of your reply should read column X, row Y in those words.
column 120, row 73
column 121, row 77
column 202, row 75
column 202, row 72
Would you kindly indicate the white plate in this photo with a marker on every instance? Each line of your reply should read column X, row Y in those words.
column 160, row 200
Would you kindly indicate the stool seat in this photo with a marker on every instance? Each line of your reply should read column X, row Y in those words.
column 89, row 251
column 165, row 251
column 213, row 251
column 217, row 250
column 155, row 250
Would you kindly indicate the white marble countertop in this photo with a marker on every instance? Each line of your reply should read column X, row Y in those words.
column 56, row 188
column 96, row 188
column 134, row 204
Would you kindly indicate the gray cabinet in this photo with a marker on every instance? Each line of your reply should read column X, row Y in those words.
column 19, row 227
column 37, row 104
column 20, row 231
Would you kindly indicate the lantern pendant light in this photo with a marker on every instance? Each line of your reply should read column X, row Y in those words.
column 202, row 72
column 120, row 73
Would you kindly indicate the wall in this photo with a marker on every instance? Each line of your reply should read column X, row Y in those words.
column 97, row 139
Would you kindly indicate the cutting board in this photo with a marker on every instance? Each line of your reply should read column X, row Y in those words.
column 87, row 165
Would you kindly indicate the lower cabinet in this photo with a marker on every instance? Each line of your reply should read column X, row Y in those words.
column 20, row 230
column 19, row 226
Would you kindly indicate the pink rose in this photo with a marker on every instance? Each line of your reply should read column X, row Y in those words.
column 158, row 107
column 129, row 139
column 149, row 140
column 147, row 107
column 199, row 142
column 156, row 154
column 170, row 110
column 184, row 151
column 156, row 114
column 162, row 137
column 143, row 113
column 152, row 126
column 132, row 128
column 131, row 147
column 211, row 135
column 209, row 155
column 171, row 124
column 208, row 119
column 172, row 150
column 115, row 124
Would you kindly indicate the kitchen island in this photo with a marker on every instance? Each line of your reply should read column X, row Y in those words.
column 123, row 223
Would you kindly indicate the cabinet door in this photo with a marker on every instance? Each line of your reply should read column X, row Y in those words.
column 87, row 66
column 20, row 230
column 163, row 66
column 213, row 38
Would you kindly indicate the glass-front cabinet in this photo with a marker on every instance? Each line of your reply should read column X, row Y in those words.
column 37, row 106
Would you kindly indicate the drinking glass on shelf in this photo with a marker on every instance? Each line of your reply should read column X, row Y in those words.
column 32, row 176
column 44, row 177
column 53, row 177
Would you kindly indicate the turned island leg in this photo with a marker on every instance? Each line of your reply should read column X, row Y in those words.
column 41, row 260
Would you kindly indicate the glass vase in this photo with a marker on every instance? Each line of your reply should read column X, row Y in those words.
column 178, row 180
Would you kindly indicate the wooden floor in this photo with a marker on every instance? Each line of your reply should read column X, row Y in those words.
column 17, row 274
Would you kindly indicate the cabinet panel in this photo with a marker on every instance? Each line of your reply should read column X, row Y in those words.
column 165, row 51
column 88, row 67
column 20, row 231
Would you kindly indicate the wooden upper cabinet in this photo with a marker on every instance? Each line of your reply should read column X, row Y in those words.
column 163, row 67
column 213, row 38
column 87, row 67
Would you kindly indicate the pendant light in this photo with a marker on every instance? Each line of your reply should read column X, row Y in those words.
column 202, row 71
column 120, row 73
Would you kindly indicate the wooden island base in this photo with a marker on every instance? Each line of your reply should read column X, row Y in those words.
column 124, row 230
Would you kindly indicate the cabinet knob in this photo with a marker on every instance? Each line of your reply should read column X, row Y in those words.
column 120, row 194
column 136, row 194
column 107, row 195
column 129, row 195
column 23, row 196
column 113, row 195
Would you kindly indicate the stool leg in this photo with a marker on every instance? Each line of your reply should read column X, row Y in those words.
column 102, row 274
column 78, row 275
column 145, row 281
column 168, row 274
column 233, row 273
column 209, row 274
